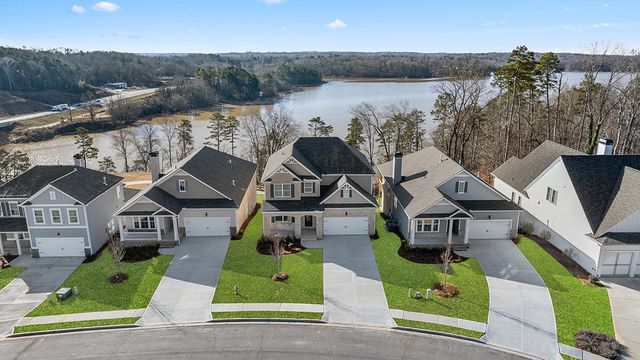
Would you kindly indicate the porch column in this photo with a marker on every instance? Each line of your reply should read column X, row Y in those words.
column 297, row 226
column 18, row 243
column 157, row 221
column 634, row 264
column 1, row 246
column 412, row 230
column 466, row 231
column 176, row 238
column 449, row 231
column 120, row 228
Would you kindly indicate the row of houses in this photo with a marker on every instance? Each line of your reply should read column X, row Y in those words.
column 585, row 205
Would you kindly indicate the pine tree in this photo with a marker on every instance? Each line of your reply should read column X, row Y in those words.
column 185, row 138
column 107, row 165
column 355, row 133
column 85, row 145
column 231, row 131
column 217, row 130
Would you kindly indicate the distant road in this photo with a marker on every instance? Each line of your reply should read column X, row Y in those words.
column 120, row 95
column 281, row 341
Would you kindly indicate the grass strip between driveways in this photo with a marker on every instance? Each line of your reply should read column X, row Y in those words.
column 266, row 315
column 576, row 306
column 251, row 272
column 8, row 274
column 439, row 328
column 74, row 325
column 96, row 293
column 399, row 275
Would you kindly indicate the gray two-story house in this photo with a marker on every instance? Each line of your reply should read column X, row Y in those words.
column 436, row 202
column 318, row 186
column 51, row 211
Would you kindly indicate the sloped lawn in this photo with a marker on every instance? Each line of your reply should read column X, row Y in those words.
column 399, row 275
column 74, row 325
column 267, row 315
column 439, row 328
column 251, row 272
column 8, row 274
column 96, row 293
column 577, row 306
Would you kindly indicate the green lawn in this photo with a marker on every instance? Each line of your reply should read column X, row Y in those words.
column 439, row 328
column 74, row 325
column 8, row 274
column 399, row 275
column 98, row 294
column 245, row 267
column 577, row 306
column 266, row 315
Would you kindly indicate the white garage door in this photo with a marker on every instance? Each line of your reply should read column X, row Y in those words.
column 206, row 226
column 52, row 247
column 616, row 263
column 346, row 225
column 490, row 229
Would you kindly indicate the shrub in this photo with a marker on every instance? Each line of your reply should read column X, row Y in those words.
column 545, row 235
column 526, row 228
column 597, row 343
column 141, row 253
column 570, row 252
column 264, row 245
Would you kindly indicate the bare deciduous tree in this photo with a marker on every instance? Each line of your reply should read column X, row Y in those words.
column 277, row 251
column 169, row 131
column 121, row 142
column 117, row 254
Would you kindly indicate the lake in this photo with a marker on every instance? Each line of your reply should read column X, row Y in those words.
column 331, row 101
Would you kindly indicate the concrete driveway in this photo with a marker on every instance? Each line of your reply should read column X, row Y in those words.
column 624, row 294
column 185, row 292
column 521, row 314
column 353, row 292
column 24, row 293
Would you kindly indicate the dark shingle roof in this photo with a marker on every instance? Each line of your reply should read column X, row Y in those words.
column 304, row 204
column 327, row 191
column 619, row 239
column 80, row 183
column 475, row 205
column 519, row 173
column 322, row 155
column 11, row 224
column 603, row 184
column 164, row 199
column 228, row 174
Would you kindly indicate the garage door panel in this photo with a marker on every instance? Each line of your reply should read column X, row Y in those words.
column 489, row 229
column 207, row 226
column 57, row 247
column 616, row 263
column 346, row 226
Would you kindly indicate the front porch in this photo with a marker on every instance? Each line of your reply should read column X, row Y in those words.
column 449, row 231
column 299, row 225
column 14, row 243
column 138, row 230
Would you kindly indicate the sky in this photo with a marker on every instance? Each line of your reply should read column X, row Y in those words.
column 214, row 26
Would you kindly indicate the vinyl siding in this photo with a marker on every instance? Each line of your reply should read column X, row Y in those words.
column 100, row 212
column 476, row 190
column 195, row 188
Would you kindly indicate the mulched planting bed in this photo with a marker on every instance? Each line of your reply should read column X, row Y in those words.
column 448, row 290
column 240, row 233
column 118, row 278
column 426, row 255
column 141, row 253
column 292, row 246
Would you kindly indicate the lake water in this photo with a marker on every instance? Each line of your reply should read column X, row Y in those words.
column 331, row 101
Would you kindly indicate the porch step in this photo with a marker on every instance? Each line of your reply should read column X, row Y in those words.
column 460, row 246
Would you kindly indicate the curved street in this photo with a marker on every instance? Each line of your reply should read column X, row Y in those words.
column 249, row 341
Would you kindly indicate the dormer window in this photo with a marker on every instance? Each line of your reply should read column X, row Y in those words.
column 52, row 195
column 308, row 187
column 461, row 187
column 345, row 193
column 182, row 185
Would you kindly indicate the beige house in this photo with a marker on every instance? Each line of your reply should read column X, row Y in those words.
column 209, row 193
column 318, row 186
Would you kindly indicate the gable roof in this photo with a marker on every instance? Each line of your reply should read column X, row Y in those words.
column 344, row 179
column 80, row 183
column 606, row 186
column 519, row 173
column 321, row 155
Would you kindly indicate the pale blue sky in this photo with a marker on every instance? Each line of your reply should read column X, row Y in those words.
column 320, row 25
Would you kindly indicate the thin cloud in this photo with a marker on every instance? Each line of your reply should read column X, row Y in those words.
column 336, row 24
column 78, row 9
column 272, row 2
column 105, row 6
column 494, row 23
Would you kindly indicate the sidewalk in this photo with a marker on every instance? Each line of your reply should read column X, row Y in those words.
column 98, row 315
column 439, row 319
column 313, row 308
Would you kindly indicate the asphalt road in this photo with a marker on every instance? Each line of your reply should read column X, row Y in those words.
column 248, row 341
column 122, row 95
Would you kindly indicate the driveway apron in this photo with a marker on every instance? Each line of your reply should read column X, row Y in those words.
column 521, row 314
column 27, row 291
column 353, row 292
column 185, row 292
column 624, row 294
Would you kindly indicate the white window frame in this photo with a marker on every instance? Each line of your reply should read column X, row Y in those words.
column 282, row 219
column 35, row 217
column 421, row 225
column 348, row 193
column 119, row 192
column 51, row 211
column 17, row 209
column 552, row 195
column 182, row 185
column 310, row 189
column 52, row 195
column 464, row 188
column 77, row 216
column 281, row 189
column 138, row 221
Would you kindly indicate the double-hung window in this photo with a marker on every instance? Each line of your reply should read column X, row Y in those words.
column 552, row 195
column 427, row 225
column 72, row 214
column 38, row 216
column 461, row 187
column 56, row 217
column 144, row 222
column 282, row 219
column 282, row 190
column 14, row 210
column 308, row 187
column 182, row 185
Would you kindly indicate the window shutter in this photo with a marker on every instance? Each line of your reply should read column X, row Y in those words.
column 313, row 186
column 270, row 190
column 273, row 218
column 455, row 189
column 293, row 188
column 466, row 185
column 293, row 219
column 350, row 193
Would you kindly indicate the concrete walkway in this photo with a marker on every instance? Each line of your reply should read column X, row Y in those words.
column 439, row 319
column 24, row 293
column 521, row 314
column 185, row 292
column 624, row 294
column 313, row 308
column 353, row 292
column 98, row 315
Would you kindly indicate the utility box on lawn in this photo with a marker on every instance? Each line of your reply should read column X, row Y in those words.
column 63, row 294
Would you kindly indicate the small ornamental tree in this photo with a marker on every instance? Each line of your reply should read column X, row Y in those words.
column 117, row 254
column 277, row 253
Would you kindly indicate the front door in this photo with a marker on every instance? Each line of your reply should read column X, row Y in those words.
column 308, row 221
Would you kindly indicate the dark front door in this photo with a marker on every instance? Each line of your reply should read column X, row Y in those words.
column 308, row 221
